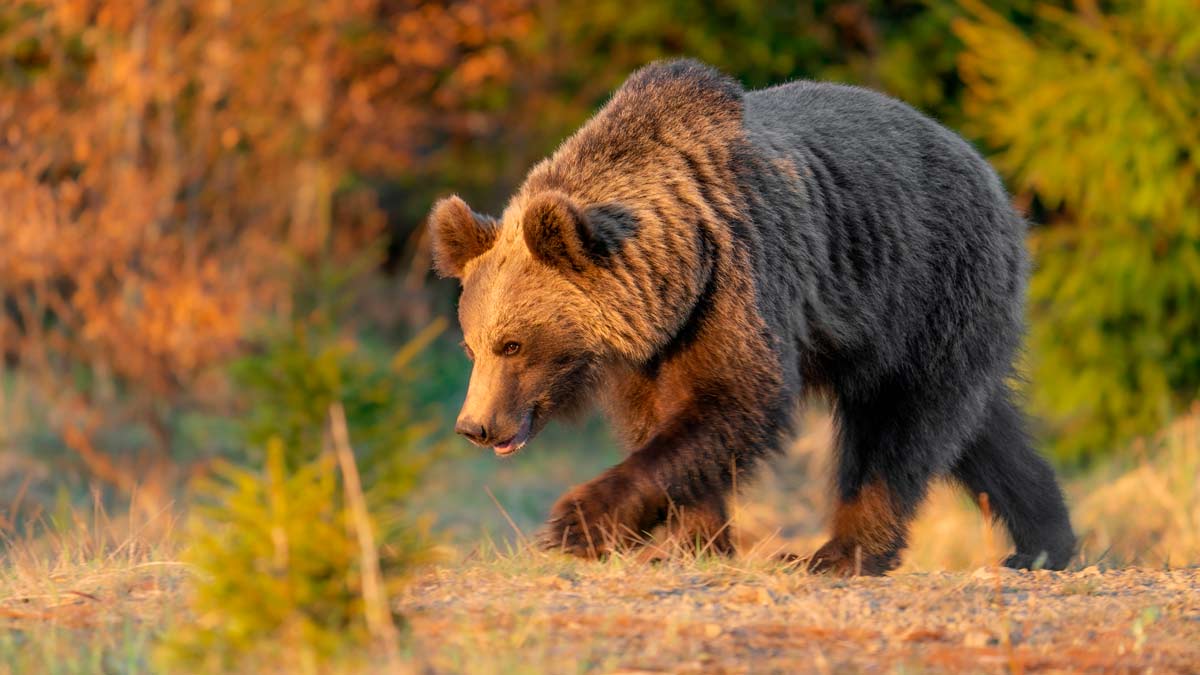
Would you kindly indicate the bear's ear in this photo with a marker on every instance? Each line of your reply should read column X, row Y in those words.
column 557, row 233
column 459, row 235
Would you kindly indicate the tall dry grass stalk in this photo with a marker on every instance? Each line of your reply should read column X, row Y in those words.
column 375, row 601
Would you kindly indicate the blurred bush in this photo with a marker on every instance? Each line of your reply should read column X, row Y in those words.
column 277, row 569
column 169, row 169
column 553, row 63
column 288, row 389
column 1097, row 117
column 158, row 195
column 295, row 560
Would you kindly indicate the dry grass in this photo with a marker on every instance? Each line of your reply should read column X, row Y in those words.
column 91, row 594
column 87, row 594
column 1149, row 513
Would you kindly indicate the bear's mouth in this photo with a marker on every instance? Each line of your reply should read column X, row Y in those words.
column 518, row 441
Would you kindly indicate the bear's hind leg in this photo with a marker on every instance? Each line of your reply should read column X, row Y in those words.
column 1021, row 488
column 868, row 535
column 890, row 445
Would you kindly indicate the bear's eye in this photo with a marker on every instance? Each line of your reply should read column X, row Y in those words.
column 510, row 348
column 467, row 348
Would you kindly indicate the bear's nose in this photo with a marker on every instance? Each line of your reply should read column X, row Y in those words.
column 474, row 431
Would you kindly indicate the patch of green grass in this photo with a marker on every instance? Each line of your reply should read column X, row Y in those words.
column 120, row 647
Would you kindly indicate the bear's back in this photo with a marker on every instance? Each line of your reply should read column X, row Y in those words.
column 869, row 136
column 901, row 217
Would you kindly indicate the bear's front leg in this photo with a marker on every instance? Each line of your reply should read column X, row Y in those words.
column 613, row 512
column 681, row 478
column 616, row 512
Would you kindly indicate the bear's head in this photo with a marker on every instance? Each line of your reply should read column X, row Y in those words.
column 530, row 328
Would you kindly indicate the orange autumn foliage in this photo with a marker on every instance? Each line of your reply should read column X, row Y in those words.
column 166, row 169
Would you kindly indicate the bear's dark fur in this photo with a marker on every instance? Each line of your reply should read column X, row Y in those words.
column 697, row 258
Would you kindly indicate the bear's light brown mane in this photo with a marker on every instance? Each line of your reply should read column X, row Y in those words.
column 654, row 170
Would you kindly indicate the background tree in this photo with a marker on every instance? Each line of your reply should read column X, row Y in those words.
column 168, row 173
column 1096, row 117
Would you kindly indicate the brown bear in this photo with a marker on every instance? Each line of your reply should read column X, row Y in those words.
column 697, row 258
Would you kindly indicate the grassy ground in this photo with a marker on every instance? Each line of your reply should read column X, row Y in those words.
column 86, row 593
column 526, row 612
column 532, row 614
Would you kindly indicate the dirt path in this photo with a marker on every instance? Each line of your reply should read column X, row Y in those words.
column 558, row 617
